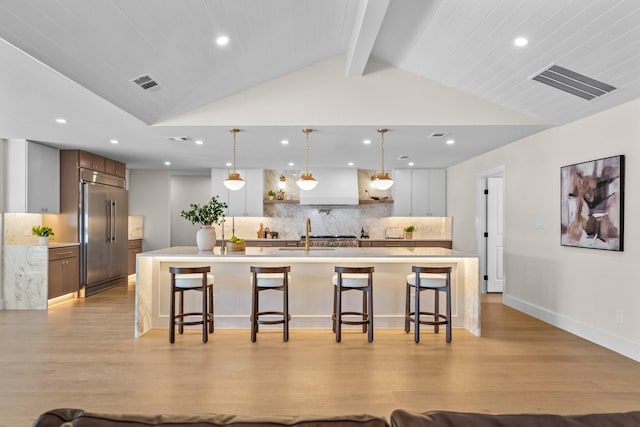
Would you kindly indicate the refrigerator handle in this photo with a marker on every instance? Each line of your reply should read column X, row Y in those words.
column 113, row 220
column 109, row 222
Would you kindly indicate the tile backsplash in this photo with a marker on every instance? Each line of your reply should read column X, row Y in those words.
column 289, row 221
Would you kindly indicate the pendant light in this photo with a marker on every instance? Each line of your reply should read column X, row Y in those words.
column 382, row 180
column 307, row 181
column 234, row 181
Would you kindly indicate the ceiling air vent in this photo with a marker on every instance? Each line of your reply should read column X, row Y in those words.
column 178, row 138
column 147, row 82
column 573, row 83
column 404, row 157
column 437, row 134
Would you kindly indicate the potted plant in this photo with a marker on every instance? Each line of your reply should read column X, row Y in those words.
column 271, row 194
column 408, row 231
column 235, row 244
column 43, row 232
column 206, row 216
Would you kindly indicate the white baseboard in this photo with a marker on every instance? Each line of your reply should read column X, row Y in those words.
column 619, row 345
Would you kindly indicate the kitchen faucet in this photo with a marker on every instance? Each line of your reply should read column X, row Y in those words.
column 306, row 236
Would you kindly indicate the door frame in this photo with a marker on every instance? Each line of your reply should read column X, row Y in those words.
column 481, row 222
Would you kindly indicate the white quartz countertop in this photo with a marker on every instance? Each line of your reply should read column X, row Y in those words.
column 314, row 253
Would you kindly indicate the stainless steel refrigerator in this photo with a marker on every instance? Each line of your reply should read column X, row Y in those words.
column 103, row 231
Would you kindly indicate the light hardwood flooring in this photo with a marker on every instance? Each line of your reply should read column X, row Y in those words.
column 82, row 354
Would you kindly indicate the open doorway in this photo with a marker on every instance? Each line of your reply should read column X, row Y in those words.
column 490, row 238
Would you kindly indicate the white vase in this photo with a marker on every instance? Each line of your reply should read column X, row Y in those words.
column 206, row 238
column 43, row 240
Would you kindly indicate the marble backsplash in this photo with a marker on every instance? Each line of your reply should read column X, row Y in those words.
column 289, row 221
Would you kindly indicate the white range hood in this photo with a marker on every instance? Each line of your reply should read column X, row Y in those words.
column 335, row 187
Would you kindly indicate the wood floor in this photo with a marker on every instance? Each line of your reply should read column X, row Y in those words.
column 82, row 354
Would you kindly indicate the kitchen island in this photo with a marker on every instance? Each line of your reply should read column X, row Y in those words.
column 310, row 288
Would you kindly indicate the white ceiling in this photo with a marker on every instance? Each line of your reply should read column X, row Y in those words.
column 76, row 58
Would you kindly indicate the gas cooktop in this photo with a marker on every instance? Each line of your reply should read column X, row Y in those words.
column 331, row 236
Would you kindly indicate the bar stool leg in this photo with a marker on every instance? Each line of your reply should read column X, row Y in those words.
column 181, row 321
column 416, row 315
column 210, row 294
column 407, row 308
column 254, row 309
column 172, row 311
column 365, row 316
column 448, row 310
column 436, row 316
column 333, row 316
column 285, row 301
column 205, row 316
column 339, row 311
column 370, row 311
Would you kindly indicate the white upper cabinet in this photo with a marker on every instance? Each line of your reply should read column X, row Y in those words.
column 247, row 201
column 419, row 192
column 32, row 176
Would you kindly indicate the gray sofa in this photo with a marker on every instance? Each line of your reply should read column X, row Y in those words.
column 399, row 418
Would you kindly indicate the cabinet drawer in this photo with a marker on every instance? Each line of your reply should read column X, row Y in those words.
column 266, row 243
column 64, row 252
column 434, row 244
column 392, row 244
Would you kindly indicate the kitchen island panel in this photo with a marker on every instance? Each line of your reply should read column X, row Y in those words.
column 311, row 291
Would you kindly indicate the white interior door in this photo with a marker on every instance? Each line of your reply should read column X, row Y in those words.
column 495, row 230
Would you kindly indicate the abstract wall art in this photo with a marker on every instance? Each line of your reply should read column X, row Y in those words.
column 592, row 200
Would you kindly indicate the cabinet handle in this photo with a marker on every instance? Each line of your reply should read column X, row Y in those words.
column 393, row 246
column 64, row 253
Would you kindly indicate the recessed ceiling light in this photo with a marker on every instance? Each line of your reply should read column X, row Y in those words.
column 350, row 163
column 167, row 163
column 291, row 163
column 366, row 141
column 411, row 164
column 61, row 121
column 199, row 142
column 114, row 141
column 521, row 42
column 451, row 141
column 222, row 41
column 284, row 142
column 228, row 164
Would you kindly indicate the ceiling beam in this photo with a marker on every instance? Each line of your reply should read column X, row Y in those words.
column 365, row 31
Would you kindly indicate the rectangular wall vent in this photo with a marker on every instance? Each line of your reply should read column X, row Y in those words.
column 573, row 83
column 146, row 82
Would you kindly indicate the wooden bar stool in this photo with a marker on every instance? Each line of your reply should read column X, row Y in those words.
column 270, row 278
column 191, row 279
column 437, row 279
column 348, row 279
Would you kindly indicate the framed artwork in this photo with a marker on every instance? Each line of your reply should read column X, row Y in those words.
column 592, row 204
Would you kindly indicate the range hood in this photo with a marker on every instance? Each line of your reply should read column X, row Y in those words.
column 335, row 187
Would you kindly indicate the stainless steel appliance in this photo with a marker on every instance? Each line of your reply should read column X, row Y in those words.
column 103, row 231
column 332, row 241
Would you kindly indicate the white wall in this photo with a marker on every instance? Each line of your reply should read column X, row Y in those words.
column 149, row 195
column 184, row 191
column 579, row 290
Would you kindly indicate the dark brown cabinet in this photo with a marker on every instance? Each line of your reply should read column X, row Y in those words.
column 91, row 161
column 135, row 247
column 113, row 167
column 406, row 243
column 64, row 270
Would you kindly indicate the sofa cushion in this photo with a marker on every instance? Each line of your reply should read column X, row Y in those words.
column 80, row 418
column 402, row 418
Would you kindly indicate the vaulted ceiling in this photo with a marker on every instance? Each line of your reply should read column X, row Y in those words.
column 311, row 63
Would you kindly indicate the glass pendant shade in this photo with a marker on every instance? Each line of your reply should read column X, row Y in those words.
column 381, row 181
column 307, row 182
column 234, row 182
column 283, row 182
